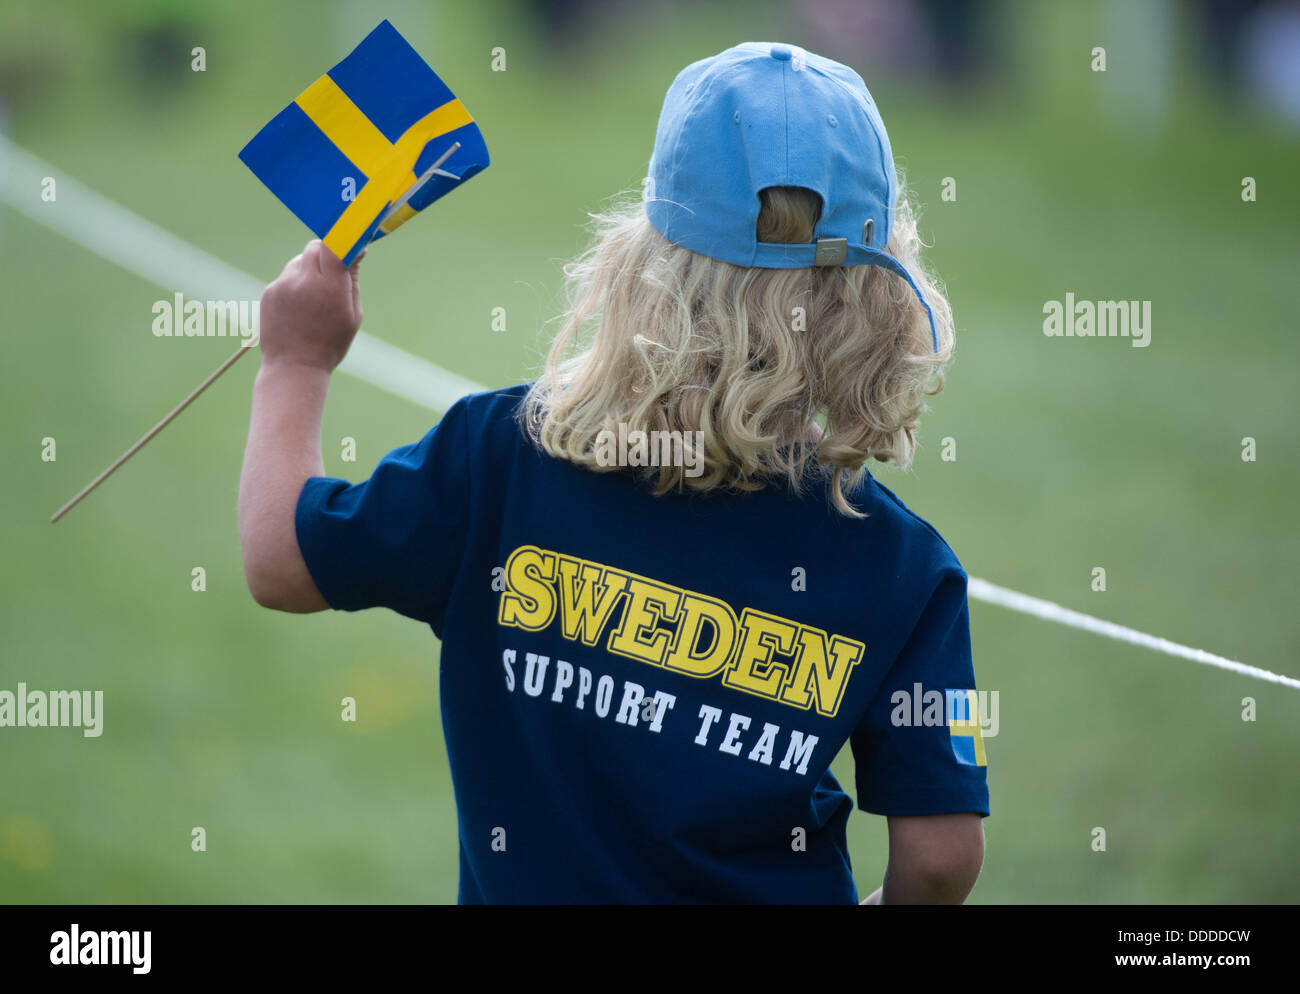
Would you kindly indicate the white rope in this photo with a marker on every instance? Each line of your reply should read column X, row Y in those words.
column 984, row 591
column 124, row 238
column 140, row 247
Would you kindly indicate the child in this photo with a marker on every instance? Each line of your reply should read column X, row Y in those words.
column 668, row 590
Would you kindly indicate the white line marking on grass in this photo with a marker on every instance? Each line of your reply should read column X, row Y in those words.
column 141, row 247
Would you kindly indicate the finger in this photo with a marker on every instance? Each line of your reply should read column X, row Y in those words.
column 290, row 270
column 311, row 254
column 354, row 271
column 328, row 263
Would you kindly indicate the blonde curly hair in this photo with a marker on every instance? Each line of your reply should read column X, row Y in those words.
column 783, row 370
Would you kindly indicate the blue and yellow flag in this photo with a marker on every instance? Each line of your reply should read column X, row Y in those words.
column 357, row 154
column 964, row 729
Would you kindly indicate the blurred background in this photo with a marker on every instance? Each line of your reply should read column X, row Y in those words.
column 1072, row 454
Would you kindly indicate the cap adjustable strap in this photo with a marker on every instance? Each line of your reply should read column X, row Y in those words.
column 831, row 252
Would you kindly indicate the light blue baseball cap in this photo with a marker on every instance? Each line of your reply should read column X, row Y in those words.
column 762, row 114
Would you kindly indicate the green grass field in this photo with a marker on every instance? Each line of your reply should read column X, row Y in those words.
column 1071, row 454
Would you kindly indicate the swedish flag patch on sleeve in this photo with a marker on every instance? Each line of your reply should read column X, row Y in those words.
column 964, row 727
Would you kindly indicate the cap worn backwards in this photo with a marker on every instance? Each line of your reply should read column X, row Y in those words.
column 761, row 115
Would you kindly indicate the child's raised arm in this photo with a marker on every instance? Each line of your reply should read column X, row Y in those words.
column 308, row 318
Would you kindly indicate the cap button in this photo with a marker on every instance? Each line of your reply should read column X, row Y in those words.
column 781, row 53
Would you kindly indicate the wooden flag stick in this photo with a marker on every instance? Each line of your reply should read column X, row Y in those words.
column 151, row 433
column 435, row 168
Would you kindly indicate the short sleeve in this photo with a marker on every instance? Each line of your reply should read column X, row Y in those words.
column 395, row 540
column 917, row 751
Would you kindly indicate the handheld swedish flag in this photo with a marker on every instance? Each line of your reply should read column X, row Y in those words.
column 365, row 147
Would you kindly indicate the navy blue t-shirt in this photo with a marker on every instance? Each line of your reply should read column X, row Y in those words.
column 642, row 695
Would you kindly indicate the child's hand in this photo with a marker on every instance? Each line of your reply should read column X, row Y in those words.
column 312, row 311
